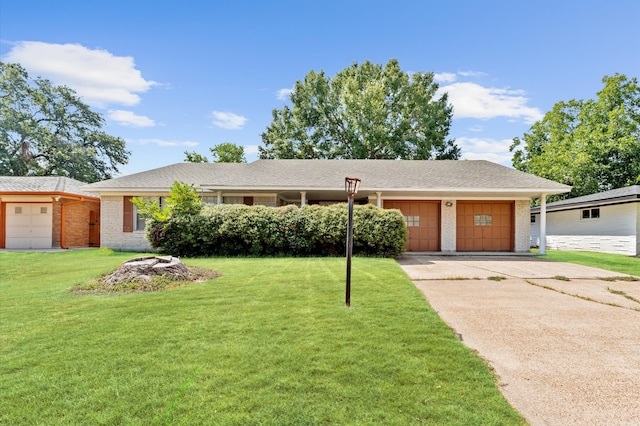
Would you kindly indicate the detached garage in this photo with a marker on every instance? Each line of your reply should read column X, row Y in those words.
column 47, row 212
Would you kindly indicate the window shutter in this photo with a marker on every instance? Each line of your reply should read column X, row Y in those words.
column 127, row 214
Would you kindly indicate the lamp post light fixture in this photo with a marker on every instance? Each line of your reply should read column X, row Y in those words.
column 351, row 186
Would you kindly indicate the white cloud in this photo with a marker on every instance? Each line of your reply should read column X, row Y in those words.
column 283, row 94
column 472, row 73
column 486, row 149
column 161, row 142
column 251, row 149
column 98, row 76
column 445, row 77
column 471, row 100
column 228, row 120
column 128, row 118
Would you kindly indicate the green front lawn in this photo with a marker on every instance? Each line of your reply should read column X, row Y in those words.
column 610, row 262
column 269, row 342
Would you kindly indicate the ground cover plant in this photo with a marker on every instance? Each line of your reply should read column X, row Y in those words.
column 268, row 342
column 610, row 262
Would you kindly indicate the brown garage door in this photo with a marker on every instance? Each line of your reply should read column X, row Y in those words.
column 423, row 223
column 484, row 226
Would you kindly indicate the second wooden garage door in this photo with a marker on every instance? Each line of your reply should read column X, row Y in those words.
column 484, row 226
column 423, row 223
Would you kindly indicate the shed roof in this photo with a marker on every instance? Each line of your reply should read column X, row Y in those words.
column 43, row 184
column 614, row 196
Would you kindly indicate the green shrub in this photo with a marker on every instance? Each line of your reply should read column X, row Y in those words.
column 239, row 230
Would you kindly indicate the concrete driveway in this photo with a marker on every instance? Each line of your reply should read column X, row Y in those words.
column 565, row 352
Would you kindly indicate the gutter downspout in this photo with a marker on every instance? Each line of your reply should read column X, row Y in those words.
column 543, row 224
column 63, row 243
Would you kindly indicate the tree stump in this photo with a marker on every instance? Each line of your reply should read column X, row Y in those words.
column 145, row 268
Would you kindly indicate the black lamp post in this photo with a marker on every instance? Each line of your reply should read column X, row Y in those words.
column 351, row 188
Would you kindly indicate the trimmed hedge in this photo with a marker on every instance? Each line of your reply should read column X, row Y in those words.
column 239, row 230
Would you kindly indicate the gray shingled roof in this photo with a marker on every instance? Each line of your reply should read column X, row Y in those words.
column 628, row 193
column 330, row 174
column 39, row 184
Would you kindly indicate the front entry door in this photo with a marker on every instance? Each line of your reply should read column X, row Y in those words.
column 94, row 228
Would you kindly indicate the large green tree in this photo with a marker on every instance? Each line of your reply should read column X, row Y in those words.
column 593, row 145
column 47, row 130
column 366, row 111
column 226, row 152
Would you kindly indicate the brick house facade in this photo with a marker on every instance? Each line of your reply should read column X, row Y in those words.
column 47, row 212
column 449, row 206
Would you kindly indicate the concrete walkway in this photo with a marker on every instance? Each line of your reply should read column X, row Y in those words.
column 565, row 352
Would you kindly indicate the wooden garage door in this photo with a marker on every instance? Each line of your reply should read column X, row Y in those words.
column 423, row 223
column 28, row 225
column 484, row 226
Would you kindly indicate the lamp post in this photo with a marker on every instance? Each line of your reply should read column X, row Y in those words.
column 351, row 188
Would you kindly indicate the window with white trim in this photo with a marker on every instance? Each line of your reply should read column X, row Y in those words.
column 590, row 214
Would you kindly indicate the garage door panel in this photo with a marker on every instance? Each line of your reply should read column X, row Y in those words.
column 484, row 226
column 28, row 225
column 41, row 243
column 19, row 220
column 40, row 219
column 41, row 232
column 423, row 223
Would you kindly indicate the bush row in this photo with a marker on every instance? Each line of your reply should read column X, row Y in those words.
column 239, row 230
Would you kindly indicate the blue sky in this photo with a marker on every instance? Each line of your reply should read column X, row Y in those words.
column 173, row 76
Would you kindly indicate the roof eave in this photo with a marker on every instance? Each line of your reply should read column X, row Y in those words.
column 582, row 204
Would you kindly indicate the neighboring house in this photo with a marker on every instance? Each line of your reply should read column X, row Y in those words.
column 43, row 212
column 607, row 222
column 448, row 205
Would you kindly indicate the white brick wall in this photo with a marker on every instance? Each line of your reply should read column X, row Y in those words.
column 448, row 226
column 111, row 235
column 522, row 226
column 615, row 244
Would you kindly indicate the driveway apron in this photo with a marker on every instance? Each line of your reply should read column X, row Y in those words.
column 564, row 343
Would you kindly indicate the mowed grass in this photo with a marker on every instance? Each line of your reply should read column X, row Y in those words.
column 611, row 262
column 269, row 342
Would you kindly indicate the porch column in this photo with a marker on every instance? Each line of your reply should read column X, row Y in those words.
column 379, row 200
column 219, row 197
column 543, row 224
column 303, row 198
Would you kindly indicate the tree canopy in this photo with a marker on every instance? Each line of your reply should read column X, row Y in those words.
column 366, row 111
column 593, row 145
column 183, row 200
column 194, row 157
column 48, row 130
column 226, row 152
